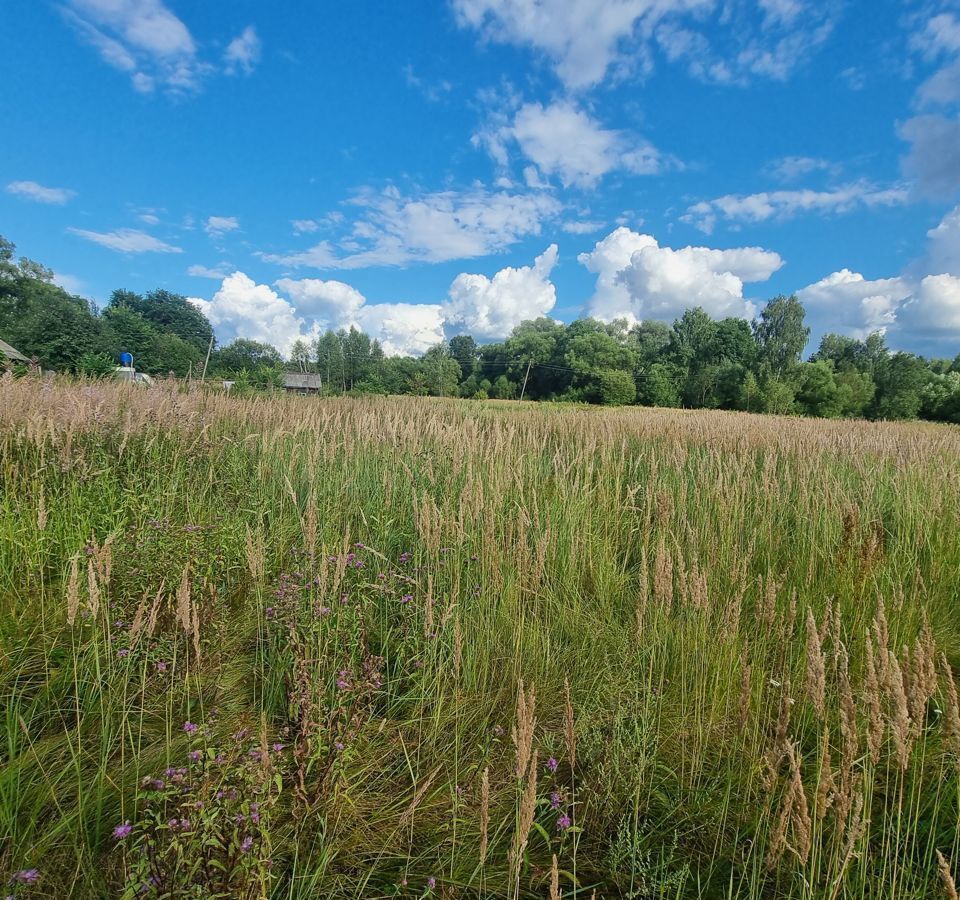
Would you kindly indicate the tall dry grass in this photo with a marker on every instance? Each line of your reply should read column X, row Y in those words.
column 396, row 647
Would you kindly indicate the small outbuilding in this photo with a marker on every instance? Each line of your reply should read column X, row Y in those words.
column 12, row 354
column 302, row 382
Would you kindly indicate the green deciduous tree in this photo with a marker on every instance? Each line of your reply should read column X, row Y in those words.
column 244, row 354
column 900, row 378
column 817, row 392
column 781, row 335
column 463, row 348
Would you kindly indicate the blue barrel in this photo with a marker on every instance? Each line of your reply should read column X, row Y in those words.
column 126, row 359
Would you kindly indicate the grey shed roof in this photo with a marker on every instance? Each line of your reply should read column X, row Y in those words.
column 8, row 351
column 302, row 381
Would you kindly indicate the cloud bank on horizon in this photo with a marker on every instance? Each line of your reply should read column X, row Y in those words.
column 613, row 158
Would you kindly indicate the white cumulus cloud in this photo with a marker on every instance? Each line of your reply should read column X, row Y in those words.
column 403, row 328
column 943, row 253
column 491, row 308
column 638, row 279
column 243, row 308
column 919, row 308
column 847, row 302
column 932, row 314
column 334, row 303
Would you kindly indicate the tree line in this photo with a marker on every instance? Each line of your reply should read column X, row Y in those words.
column 697, row 362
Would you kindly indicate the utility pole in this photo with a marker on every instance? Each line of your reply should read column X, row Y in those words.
column 207, row 360
column 523, row 390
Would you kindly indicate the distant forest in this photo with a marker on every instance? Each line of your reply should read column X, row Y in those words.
column 697, row 362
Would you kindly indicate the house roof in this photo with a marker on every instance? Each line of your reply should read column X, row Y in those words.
column 10, row 353
column 302, row 381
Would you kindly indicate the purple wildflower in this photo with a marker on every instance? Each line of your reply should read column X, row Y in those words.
column 161, row 666
column 563, row 823
column 270, row 612
column 246, row 844
column 406, row 598
column 552, row 764
column 277, row 748
column 431, row 883
column 555, row 800
column 26, row 876
column 194, row 755
column 122, row 831
column 123, row 651
column 189, row 727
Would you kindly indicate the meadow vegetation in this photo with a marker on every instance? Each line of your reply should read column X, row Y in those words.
column 371, row 647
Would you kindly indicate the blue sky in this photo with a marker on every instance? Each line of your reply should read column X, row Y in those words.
column 425, row 168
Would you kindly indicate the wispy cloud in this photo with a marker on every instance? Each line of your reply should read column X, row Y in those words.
column 433, row 91
column 70, row 283
column 243, row 52
column 717, row 42
column 766, row 205
column 143, row 38
column 217, row 272
column 126, row 240
column 396, row 230
column 790, row 168
column 150, row 43
column 217, row 226
column 305, row 226
column 38, row 193
column 581, row 227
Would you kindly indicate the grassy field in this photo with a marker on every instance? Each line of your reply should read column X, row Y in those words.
column 299, row 648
